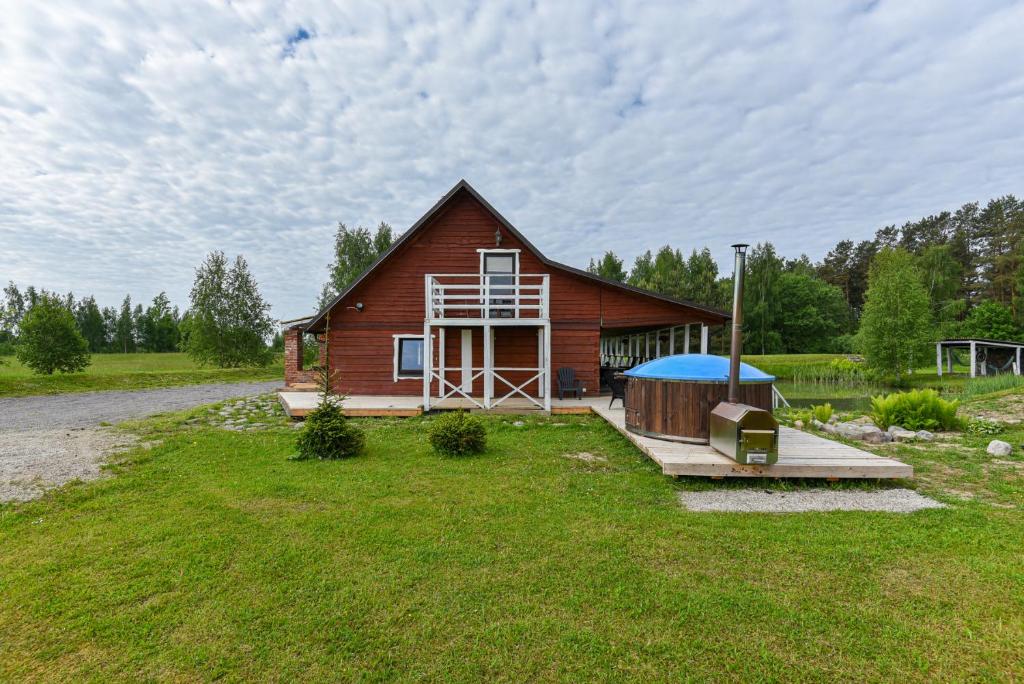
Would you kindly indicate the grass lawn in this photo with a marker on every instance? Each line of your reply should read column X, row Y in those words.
column 210, row 555
column 125, row 372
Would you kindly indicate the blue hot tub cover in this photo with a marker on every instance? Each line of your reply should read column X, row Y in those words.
column 696, row 368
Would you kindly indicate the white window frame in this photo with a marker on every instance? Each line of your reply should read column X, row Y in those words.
column 396, row 344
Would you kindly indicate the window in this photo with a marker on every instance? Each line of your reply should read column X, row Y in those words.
column 502, row 268
column 408, row 356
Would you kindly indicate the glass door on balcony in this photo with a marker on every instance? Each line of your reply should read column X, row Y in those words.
column 500, row 267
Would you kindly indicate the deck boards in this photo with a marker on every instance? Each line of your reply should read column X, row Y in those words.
column 801, row 454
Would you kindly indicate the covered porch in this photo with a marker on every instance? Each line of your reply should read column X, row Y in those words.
column 624, row 348
column 494, row 365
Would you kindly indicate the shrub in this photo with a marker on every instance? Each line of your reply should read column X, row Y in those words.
column 457, row 434
column 328, row 434
column 822, row 413
column 981, row 426
column 915, row 410
column 50, row 340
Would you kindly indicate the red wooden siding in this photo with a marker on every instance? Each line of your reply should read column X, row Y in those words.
column 361, row 346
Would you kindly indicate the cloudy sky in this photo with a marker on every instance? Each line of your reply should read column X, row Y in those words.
column 136, row 137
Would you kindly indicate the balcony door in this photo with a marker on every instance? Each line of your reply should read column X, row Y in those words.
column 501, row 267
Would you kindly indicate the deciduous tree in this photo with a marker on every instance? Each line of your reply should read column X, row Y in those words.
column 896, row 331
column 229, row 323
column 354, row 251
column 49, row 340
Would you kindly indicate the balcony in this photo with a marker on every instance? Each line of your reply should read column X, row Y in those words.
column 494, row 298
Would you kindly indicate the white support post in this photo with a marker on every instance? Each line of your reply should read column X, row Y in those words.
column 703, row 339
column 488, row 367
column 686, row 340
column 440, row 361
column 426, row 366
column 540, row 362
column 1017, row 369
column 647, row 345
column 657, row 344
column 671, row 341
column 547, row 365
column 974, row 361
column 938, row 358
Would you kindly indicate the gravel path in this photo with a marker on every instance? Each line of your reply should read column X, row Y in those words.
column 767, row 501
column 46, row 441
column 88, row 409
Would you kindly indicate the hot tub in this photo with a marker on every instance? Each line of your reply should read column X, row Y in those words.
column 672, row 397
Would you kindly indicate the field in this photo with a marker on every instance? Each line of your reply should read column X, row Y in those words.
column 125, row 372
column 212, row 555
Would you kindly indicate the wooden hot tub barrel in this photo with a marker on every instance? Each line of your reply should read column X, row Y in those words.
column 679, row 409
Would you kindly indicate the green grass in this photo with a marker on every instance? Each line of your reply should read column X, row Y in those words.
column 212, row 556
column 125, row 372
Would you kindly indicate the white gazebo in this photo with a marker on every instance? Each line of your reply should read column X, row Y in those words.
column 1005, row 355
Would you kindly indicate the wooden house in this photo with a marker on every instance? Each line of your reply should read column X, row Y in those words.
column 463, row 306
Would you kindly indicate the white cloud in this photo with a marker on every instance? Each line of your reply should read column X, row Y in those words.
column 136, row 139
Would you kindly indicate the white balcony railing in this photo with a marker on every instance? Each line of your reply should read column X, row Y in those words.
column 516, row 296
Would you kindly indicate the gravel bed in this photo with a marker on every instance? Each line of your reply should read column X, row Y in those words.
column 47, row 441
column 87, row 409
column 768, row 501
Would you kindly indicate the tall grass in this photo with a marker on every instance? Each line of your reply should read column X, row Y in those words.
column 993, row 383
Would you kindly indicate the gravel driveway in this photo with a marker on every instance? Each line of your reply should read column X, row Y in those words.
column 46, row 441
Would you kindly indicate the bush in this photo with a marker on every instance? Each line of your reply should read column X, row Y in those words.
column 328, row 434
column 457, row 434
column 822, row 413
column 915, row 410
column 49, row 339
column 981, row 426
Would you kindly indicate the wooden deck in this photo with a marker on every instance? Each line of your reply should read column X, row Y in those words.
column 801, row 454
column 299, row 404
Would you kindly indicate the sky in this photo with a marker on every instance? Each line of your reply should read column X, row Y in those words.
column 137, row 137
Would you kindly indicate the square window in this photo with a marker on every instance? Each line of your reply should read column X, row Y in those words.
column 410, row 356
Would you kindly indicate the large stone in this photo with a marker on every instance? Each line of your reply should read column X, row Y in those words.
column 902, row 435
column 853, row 430
column 998, row 447
column 877, row 437
column 925, row 436
column 799, row 425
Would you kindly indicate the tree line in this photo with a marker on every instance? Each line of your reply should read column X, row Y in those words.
column 155, row 328
column 227, row 323
column 969, row 264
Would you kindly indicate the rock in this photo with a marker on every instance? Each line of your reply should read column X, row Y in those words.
column 833, row 419
column 902, row 435
column 924, row 435
column 519, row 423
column 297, row 425
column 817, row 424
column 998, row 447
column 852, row 430
column 799, row 425
column 878, row 437
column 863, row 420
column 895, row 428
column 829, row 428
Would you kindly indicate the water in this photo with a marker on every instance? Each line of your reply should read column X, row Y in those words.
column 842, row 398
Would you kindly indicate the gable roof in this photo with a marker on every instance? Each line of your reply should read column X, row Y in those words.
column 464, row 185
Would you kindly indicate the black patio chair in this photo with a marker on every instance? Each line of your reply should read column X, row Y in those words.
column 567, row 382
column 617, row 383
